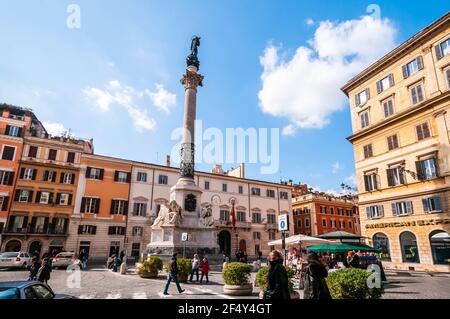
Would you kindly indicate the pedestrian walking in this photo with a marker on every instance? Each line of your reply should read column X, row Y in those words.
column 205, row 270
column 314, row 279
column 173, row 275
column 116, row 264
column 33, row 268
column 277, row 278
column 43, row 274
column 195, row 267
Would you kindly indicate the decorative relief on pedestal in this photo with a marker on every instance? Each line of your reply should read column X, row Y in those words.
column 190, row 203
column 206, row 216
column 187, row 160
column 169, row 216
column 215, row 200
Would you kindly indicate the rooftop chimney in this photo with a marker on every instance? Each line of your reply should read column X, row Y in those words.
column 168, row 160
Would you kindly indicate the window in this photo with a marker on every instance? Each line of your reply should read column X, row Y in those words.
column 392, row 142
column 23, row 196
column 90, row 205
column 43, row 197
column 442, row 49
column 381, row 242
column 32, row 151
column 140, row 209
column 416, row 92
column 332, row 210
column 67, row 178
column 256, row 235
column 432, row 205
column 396, row 176
column 306, row 222
column 271, row 193
column 323, row 209
column 64, row 199
column 408, row 244
column 440, row 247
column 52, row 155
column 240, row 189
column 163, row 180
column 224, row 188
column 375, row 211
column 299, row 223
column 370, row 181
column 284, row 195
column 94, row 173
column 412, row 67
column 225, row 215
column 447, row 76
column 8, row 153
column 4, row 200
column 340, row 212
column 324, row 222
column 271, row 219
column 70, row 157
column 6, row 178
column 423, row 131
column 119, row 207
column 272, row 234
column 141, row 177
column 240, row 216
column 135, row 250
column 207, row 185
column 87, row 230
column 402, row 208
column 28, row 174
column 256, row 218
column 49, row 176
column 426, row 169
column 364, row 117
column 388, row 107
column 385, row 83
column 368, row 151
column 116, row 230
column 12, row 130
column 349, row 224
column 256, row 191
column 121, row 177
column 138, row 231
column 362, row 98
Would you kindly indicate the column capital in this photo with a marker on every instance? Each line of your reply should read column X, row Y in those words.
column 191, row 80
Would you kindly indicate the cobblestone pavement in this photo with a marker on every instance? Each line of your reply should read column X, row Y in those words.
column 100, row 283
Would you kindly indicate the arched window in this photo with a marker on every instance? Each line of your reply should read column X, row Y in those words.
column 408, row 244
column 381, row 242
column 13, row 246
column 440, row 247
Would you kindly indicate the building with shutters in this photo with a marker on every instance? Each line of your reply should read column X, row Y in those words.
column 401, row 125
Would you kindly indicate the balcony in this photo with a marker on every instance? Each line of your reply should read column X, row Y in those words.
column 227, row 223
column 15, row 231
column 270, row 226
column 58, row 231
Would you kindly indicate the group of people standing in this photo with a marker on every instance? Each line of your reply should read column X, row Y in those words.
column 197, row 266
column 39, row 270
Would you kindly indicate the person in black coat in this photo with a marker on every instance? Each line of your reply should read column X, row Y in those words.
column 277, row 278
column 33, row 268
column 43, row 274
column 173, row 275
column 314, row 279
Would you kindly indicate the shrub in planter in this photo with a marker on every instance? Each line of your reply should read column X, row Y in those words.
column 184, row 268
column 236, row 277
column 150, row 267
column 351, row 283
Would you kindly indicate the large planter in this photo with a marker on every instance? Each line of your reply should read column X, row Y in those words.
column 182, row 277
column 149, row 274
column 241, row 290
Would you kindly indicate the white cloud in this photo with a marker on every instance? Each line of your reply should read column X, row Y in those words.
column 309, row 22
column 162, row 99
column 55, row 129
column 336, row 167
column 351, row 180
column 124, row 96
column 306, row 88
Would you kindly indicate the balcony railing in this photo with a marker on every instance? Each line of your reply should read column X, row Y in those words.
column 227, row 223
column 270, row 226
column 36, row 231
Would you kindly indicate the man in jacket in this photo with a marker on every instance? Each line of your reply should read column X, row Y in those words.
column 314, row 279
column 33, row 268
column 277, row 278
column 195, row 267
column 173, row 275
column 43, row 274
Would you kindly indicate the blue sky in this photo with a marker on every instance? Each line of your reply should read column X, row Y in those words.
column 116, row 78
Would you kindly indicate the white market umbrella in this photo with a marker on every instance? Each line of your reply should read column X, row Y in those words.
column 302, row 240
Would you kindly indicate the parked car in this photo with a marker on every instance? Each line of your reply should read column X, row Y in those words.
column 15, row 260
column 65, row 259
column 29, row 290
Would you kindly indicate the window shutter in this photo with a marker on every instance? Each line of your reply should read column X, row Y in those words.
column 375, row 181
column 419, row 132
column 386, row 109
column 5, row 203
column 61, row 178
column 38, row 197
column 83, row 205
column 409, row 208
column 88, row 172
column 437, row 203
column 17, row 195
column 419, row 169
column 50, row 198
column 144, row 213
column 405, row 71
column 402, row 177
column 420, row 62
column 439, row 53
column 125, row 208
column 394, row 209
column 10, row 181
column 389, row 141
column 366, row 182
column 30, row 198
column 128, row 177
column 414, row 95
column 33, row 223
column 80, row 229
column 46, row 220
column 419, row 93
column 94, row 230
column 102, row 173
column 368, row 94
column 113, row 204
column 357, row 100
column 8, row 128
column 390, row 177
column 110, row 230
column 391, row 80
column 58, row 199
column 54, row 177
column 70, row 200
column 426, row 205
column 369, row 215
column 46, row 175
column 116, row 176
column 34, row 174
column 379, row 87
column 381, row 210
column 72, row 180
column 97, row 207
column 426, row 130
column 22, row 173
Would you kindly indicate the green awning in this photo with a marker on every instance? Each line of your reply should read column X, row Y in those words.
column 341, row 248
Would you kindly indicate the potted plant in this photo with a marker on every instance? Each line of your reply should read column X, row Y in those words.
column 261, row 282
column 237, row 279
column 150, row 267
column 352, row 283
column 184, row 268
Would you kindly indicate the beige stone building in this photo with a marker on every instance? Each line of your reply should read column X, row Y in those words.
column 401, row 126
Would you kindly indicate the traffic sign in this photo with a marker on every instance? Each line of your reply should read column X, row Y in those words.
column 283, row 222
column 184, row 237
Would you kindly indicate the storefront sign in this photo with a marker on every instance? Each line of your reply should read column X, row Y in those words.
column 429, row 222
